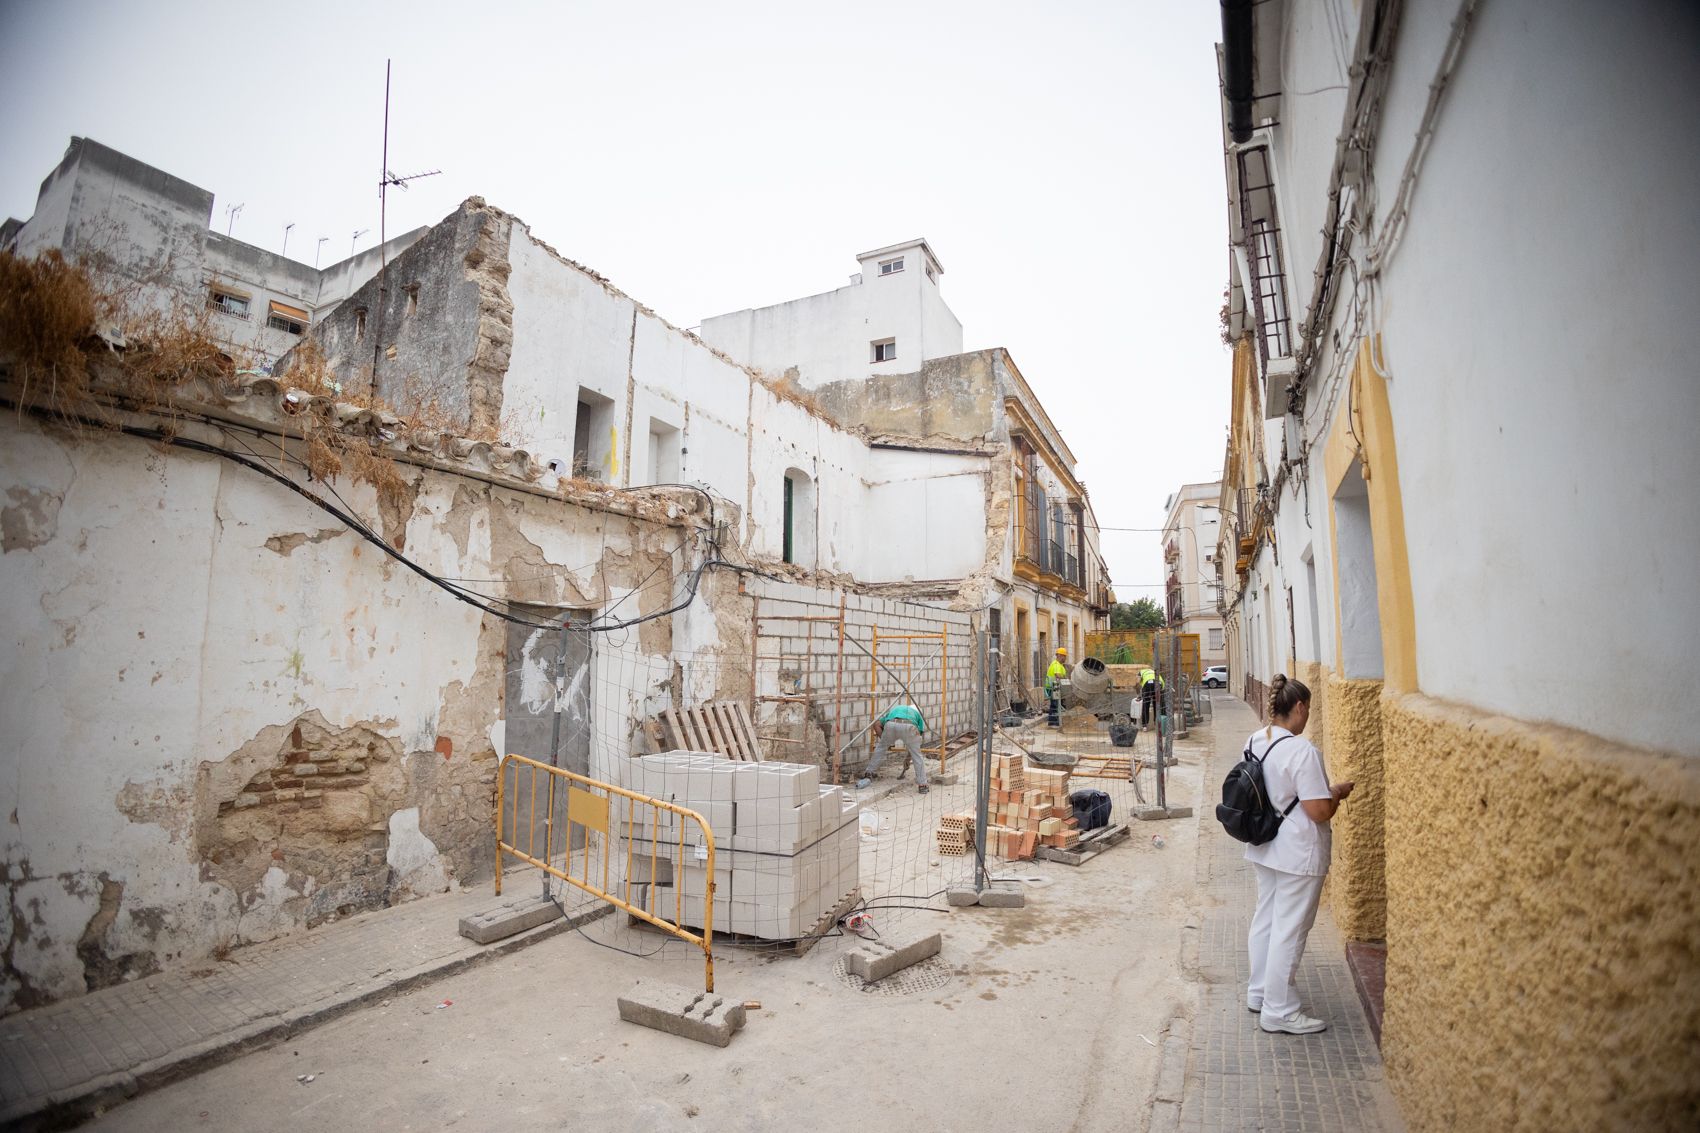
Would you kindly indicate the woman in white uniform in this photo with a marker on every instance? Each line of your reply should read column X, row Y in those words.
column 1290, row 867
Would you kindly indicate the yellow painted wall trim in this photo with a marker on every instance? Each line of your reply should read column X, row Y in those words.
column 1035, row 437
column 1363, row 430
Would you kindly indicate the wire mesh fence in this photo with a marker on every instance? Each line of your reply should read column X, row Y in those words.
column 798, row 844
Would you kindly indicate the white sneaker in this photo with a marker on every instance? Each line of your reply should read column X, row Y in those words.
column 1254, row 1008
column 1298, row 1023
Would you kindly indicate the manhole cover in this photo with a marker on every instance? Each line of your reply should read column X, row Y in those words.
column 929, row 975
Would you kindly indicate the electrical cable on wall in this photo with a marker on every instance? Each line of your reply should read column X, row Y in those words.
column 482, row 602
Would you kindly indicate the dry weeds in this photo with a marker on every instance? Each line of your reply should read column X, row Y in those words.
column 50, row 310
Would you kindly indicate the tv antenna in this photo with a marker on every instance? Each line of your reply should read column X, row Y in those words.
column 318, row 250
column 286, row 229
column 358, row 233
column 386, row 179
column 231, row 212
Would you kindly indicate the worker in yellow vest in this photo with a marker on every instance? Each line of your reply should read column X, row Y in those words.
column 1054, row 677
column 1148, row 696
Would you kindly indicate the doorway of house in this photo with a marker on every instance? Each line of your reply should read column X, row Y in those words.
column 531, row 702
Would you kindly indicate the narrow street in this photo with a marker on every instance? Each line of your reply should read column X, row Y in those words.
column 1056, row 1011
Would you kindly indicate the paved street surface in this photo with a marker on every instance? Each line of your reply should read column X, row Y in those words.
column 100, row 1048
column 1055, row 1012
column 1112, row 1002
column 1237, row 1077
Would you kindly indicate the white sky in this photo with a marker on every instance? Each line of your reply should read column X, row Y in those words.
column 1064, row 160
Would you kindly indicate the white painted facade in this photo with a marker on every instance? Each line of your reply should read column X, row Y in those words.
column 1531, row 314
column 893, row 301
column 1191, row 532
column 637, row 382
column 1053, row 582
column 145, row 236
column 178, row 613
column 165, row 609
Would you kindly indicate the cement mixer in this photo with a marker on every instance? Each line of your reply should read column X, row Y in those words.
column 1089, row 687
column 1091, row 690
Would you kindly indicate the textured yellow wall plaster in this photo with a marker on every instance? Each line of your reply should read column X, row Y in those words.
column 1357, row 884
column 1543, row 926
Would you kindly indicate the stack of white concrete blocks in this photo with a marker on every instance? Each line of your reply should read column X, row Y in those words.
column 786, row 849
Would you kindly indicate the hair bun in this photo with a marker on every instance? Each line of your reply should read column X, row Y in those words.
column 1285, row 694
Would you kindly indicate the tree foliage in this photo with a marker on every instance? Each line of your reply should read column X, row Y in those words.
column 1143, row 614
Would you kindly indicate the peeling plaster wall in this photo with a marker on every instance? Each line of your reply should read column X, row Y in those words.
column 420, row 325
column 217, row 702
column 952, row 397
column 1547, row 880
column 134, row 224
column 877, row 509
column 571, row 334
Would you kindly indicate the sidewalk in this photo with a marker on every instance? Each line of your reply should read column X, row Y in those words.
column 61, row 1063
column 1237, row 1077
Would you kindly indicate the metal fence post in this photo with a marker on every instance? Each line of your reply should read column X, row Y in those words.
column 982, row 770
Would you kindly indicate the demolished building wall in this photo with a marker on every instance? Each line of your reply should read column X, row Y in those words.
column 144, row 234
column 229, row 715
column 502, row 333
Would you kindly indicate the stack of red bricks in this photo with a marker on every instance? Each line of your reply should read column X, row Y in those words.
column 1029, row 808
column 955, row 833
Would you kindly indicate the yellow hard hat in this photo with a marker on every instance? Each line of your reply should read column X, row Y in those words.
column 1061, row 652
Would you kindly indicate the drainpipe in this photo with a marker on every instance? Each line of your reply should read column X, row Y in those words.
column 1237, row 66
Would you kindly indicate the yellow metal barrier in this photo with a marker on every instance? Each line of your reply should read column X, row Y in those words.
column 592, row 808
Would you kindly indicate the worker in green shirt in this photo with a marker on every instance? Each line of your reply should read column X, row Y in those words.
column 1054, row 677
column 902, row 723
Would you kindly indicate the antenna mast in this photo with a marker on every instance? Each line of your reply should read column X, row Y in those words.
column 385, row 180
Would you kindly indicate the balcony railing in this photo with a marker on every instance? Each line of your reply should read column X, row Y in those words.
column 1043, row 541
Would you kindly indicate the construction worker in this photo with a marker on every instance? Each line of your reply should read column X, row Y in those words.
column 1054, row 677
column 901, row 723
column 1148, row 695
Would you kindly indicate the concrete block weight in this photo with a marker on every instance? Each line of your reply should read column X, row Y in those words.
column 705, row 1017
column 874, row 960
column 511, row 917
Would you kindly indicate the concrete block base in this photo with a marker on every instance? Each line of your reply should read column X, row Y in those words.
column 706, row 1017
column 1159, row 813
column 877, row 959
column 1003, row 895
column 965, row 895
column 513, row 916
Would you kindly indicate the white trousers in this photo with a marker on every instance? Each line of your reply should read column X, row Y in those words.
column 1286, row 908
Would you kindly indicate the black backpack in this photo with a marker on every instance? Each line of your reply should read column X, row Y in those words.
column 1245, row 812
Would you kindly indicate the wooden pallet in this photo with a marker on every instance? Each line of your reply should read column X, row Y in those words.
column 1091, row 845
column 719, row 726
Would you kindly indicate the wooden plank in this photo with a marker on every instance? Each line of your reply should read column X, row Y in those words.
column 672, row 723
column 1091, row 845
column 693, row 741
column 729, row 711
column 680, row 740
column 705, row 719
column 728, row 742
column 750, row 737
column 722, row 720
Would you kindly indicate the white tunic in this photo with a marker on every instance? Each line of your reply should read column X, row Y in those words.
column 1294, row 768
